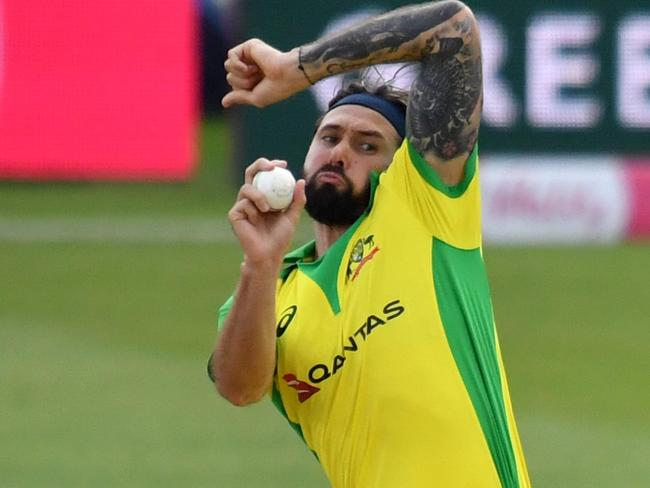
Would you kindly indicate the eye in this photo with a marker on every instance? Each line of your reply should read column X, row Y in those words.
column 366, row 147
column 329, row 139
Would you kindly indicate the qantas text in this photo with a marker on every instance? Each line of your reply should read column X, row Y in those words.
column 320, row 372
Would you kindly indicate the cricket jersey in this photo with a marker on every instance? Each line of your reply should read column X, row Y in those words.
column 388, row 363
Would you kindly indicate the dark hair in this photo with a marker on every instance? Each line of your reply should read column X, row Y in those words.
column 383, row 90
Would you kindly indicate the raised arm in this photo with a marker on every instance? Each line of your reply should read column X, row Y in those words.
column 446, row 98
column 445, row 101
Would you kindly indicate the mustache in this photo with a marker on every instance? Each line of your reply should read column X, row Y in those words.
column 331, row 168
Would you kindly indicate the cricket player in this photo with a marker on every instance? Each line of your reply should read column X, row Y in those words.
column 376, row 340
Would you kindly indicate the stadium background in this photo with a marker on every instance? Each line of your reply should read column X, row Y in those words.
column 119, row 168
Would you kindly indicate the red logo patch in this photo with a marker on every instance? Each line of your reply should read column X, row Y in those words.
column 305, row 390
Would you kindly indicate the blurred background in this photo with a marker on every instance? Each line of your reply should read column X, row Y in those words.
column 117, row 168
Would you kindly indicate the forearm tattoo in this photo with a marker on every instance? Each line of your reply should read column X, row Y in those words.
column 445, row 99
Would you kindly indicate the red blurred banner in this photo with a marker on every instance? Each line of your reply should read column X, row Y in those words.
column 98, row 90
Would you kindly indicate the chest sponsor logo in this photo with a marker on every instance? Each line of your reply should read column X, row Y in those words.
column 323, row 371
column 362, row 252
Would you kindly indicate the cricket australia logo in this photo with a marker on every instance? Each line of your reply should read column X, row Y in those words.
column 362, row 252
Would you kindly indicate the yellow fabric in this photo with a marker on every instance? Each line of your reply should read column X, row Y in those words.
column 456, row 221
column 391, row 409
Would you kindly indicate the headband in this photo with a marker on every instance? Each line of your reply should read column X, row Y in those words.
column 394, row 112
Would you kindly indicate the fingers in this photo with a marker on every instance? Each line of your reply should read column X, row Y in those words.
column 240, row 61
column 251, row 211
column 242, row 74
column 244, row 210
column 236, row 65
column 251, row 204
column 260, row 95
column 238, row 97
column 242, row 88
column 239, row 82
column 298, row 203
column 261, row 164
column 253, row 195
column 260, row 75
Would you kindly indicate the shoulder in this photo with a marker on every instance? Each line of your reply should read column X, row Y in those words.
column 412, row 171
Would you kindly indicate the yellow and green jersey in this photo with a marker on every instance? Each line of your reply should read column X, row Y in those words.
column 388, row 363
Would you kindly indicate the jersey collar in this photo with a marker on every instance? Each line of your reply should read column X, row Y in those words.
column 324, row 271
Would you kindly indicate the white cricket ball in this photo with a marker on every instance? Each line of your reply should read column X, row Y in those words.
column 277, row 186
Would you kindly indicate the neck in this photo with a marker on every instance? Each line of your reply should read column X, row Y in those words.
column 325, row 236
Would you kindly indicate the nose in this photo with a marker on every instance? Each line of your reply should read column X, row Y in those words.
column 341, row 154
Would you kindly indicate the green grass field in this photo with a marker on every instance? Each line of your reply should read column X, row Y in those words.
column 107, row 317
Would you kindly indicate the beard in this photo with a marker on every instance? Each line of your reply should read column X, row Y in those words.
column 333, row 206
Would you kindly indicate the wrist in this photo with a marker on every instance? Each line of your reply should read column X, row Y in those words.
column 302, row 68
column 299, row 78
column 261, row 270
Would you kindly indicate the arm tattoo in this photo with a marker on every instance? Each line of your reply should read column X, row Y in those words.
column 445, row 99
column 377, row 41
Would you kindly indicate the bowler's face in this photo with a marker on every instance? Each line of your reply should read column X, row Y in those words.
column 350, row 142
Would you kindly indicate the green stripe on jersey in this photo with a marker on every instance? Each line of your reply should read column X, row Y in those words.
column 276, row 398
column 466, row 311
column 430, row 176
column 324, row 271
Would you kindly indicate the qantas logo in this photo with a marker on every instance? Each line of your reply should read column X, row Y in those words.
column 304, row 389
column 322, row 371
column 362, row 252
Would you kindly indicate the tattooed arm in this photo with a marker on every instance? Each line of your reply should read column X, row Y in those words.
column 446, row 98
column 445, row 101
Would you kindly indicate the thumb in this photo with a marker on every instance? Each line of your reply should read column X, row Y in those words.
column 237, row 97
column 298, row 203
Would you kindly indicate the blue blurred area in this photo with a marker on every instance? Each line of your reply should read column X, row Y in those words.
column 219, row 30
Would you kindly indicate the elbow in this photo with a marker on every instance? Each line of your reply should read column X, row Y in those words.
column 458, row 7
column 466, row 27
column 236, row 386
column 239, row 396
column 469, row 15
column 236, row 392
